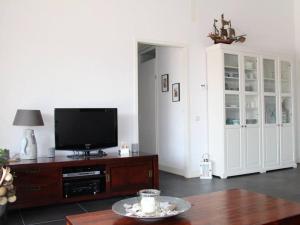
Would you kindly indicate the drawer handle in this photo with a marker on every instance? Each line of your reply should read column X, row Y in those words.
column 33, row 171
column 150, row 173
column 33, row 189
column 107, row 178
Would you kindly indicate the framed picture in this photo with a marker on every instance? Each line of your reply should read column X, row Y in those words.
column 176, row 92
column 165, row 83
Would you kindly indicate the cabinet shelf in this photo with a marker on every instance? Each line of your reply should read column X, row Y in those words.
column 232, row 107
column 231, row 67
column 235, row 78
column 269, row 79
column 251, row 108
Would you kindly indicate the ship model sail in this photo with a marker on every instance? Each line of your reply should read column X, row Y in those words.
column 225, row 34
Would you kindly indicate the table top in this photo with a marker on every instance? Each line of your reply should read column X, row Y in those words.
column 112, row 155
column 231, row 207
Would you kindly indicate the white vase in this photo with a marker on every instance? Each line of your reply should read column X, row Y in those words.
column 28, row 145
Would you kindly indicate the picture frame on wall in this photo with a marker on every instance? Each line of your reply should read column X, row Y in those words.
column 165, row 82
column 176, row 92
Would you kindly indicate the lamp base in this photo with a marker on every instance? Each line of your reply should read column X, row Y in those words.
column 28, row 145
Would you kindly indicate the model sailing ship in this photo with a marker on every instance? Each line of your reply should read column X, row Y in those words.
column 226, row 34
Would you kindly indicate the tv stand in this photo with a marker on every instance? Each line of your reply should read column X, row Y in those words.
column 87, row 154
column 43, row 181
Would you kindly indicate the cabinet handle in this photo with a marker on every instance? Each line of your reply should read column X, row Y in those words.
column 33, row 189
column 107, row 178
column 33, row 171
column 150, row 173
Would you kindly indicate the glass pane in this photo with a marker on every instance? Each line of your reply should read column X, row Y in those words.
column 251, row 82
column 251, row 109
column 231, row 72
column 269, row 75
column 286, row 109
column 285, row 71
column 270, row 109
column 232, row 109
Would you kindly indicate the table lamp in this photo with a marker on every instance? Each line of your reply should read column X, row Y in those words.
column 28, row 118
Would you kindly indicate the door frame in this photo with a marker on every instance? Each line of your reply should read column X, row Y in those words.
column 184, row 98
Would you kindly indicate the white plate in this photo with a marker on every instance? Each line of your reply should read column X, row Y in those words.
column 181, row 207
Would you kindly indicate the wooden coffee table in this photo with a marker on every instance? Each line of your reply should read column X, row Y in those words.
column 232, row 207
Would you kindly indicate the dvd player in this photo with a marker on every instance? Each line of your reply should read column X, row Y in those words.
column 82, row 172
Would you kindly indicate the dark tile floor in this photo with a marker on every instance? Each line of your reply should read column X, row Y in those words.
column 282, row 183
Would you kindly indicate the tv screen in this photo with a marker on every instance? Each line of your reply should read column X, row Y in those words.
column 86, row 128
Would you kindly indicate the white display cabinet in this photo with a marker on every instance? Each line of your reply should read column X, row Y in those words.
column 250, row 105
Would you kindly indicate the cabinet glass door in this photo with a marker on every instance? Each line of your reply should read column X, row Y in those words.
column 285, row 77
column 232, row 109
column 232, row 76
column 286, row 110
column 269, row 75
column 251, row 109
column 270, row 109
column 250, row 69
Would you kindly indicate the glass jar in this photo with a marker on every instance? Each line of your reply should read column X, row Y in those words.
column 149, row 201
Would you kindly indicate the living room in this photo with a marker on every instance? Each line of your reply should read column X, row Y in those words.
column 84, row 54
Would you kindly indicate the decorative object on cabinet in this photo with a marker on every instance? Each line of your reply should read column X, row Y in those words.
column 51, row 152
column 28, row 118
column 165, row 83
column 225, row 34
column 4, row 156
column 176, row 92
column 124, row 150
column 134, row 147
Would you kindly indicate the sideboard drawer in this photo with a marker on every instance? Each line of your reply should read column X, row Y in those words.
column 36, row 176
column 38, row 193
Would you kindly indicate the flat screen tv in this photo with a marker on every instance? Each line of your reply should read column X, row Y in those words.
column 85, row 129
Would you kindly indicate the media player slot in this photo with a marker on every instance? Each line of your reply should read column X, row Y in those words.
column 78, row 181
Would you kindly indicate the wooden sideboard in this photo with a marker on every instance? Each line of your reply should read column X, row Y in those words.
column 40, row 182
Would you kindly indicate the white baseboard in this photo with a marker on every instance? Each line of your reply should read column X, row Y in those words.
column 193, row 174
column 179, row 172
column 173, row 170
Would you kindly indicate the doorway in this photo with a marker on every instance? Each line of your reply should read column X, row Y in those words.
column 163, row 105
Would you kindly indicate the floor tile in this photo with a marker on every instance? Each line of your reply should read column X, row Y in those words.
column 13, row 218
column 49, row 213
column 58, row 222
column 97, row 205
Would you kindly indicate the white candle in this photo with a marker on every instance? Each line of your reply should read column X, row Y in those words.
column 148, row 204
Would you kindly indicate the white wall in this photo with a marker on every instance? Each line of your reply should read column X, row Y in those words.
column 171, row 115
column 62, row 53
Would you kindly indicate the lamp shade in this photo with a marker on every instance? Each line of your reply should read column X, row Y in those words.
column 25, row 117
